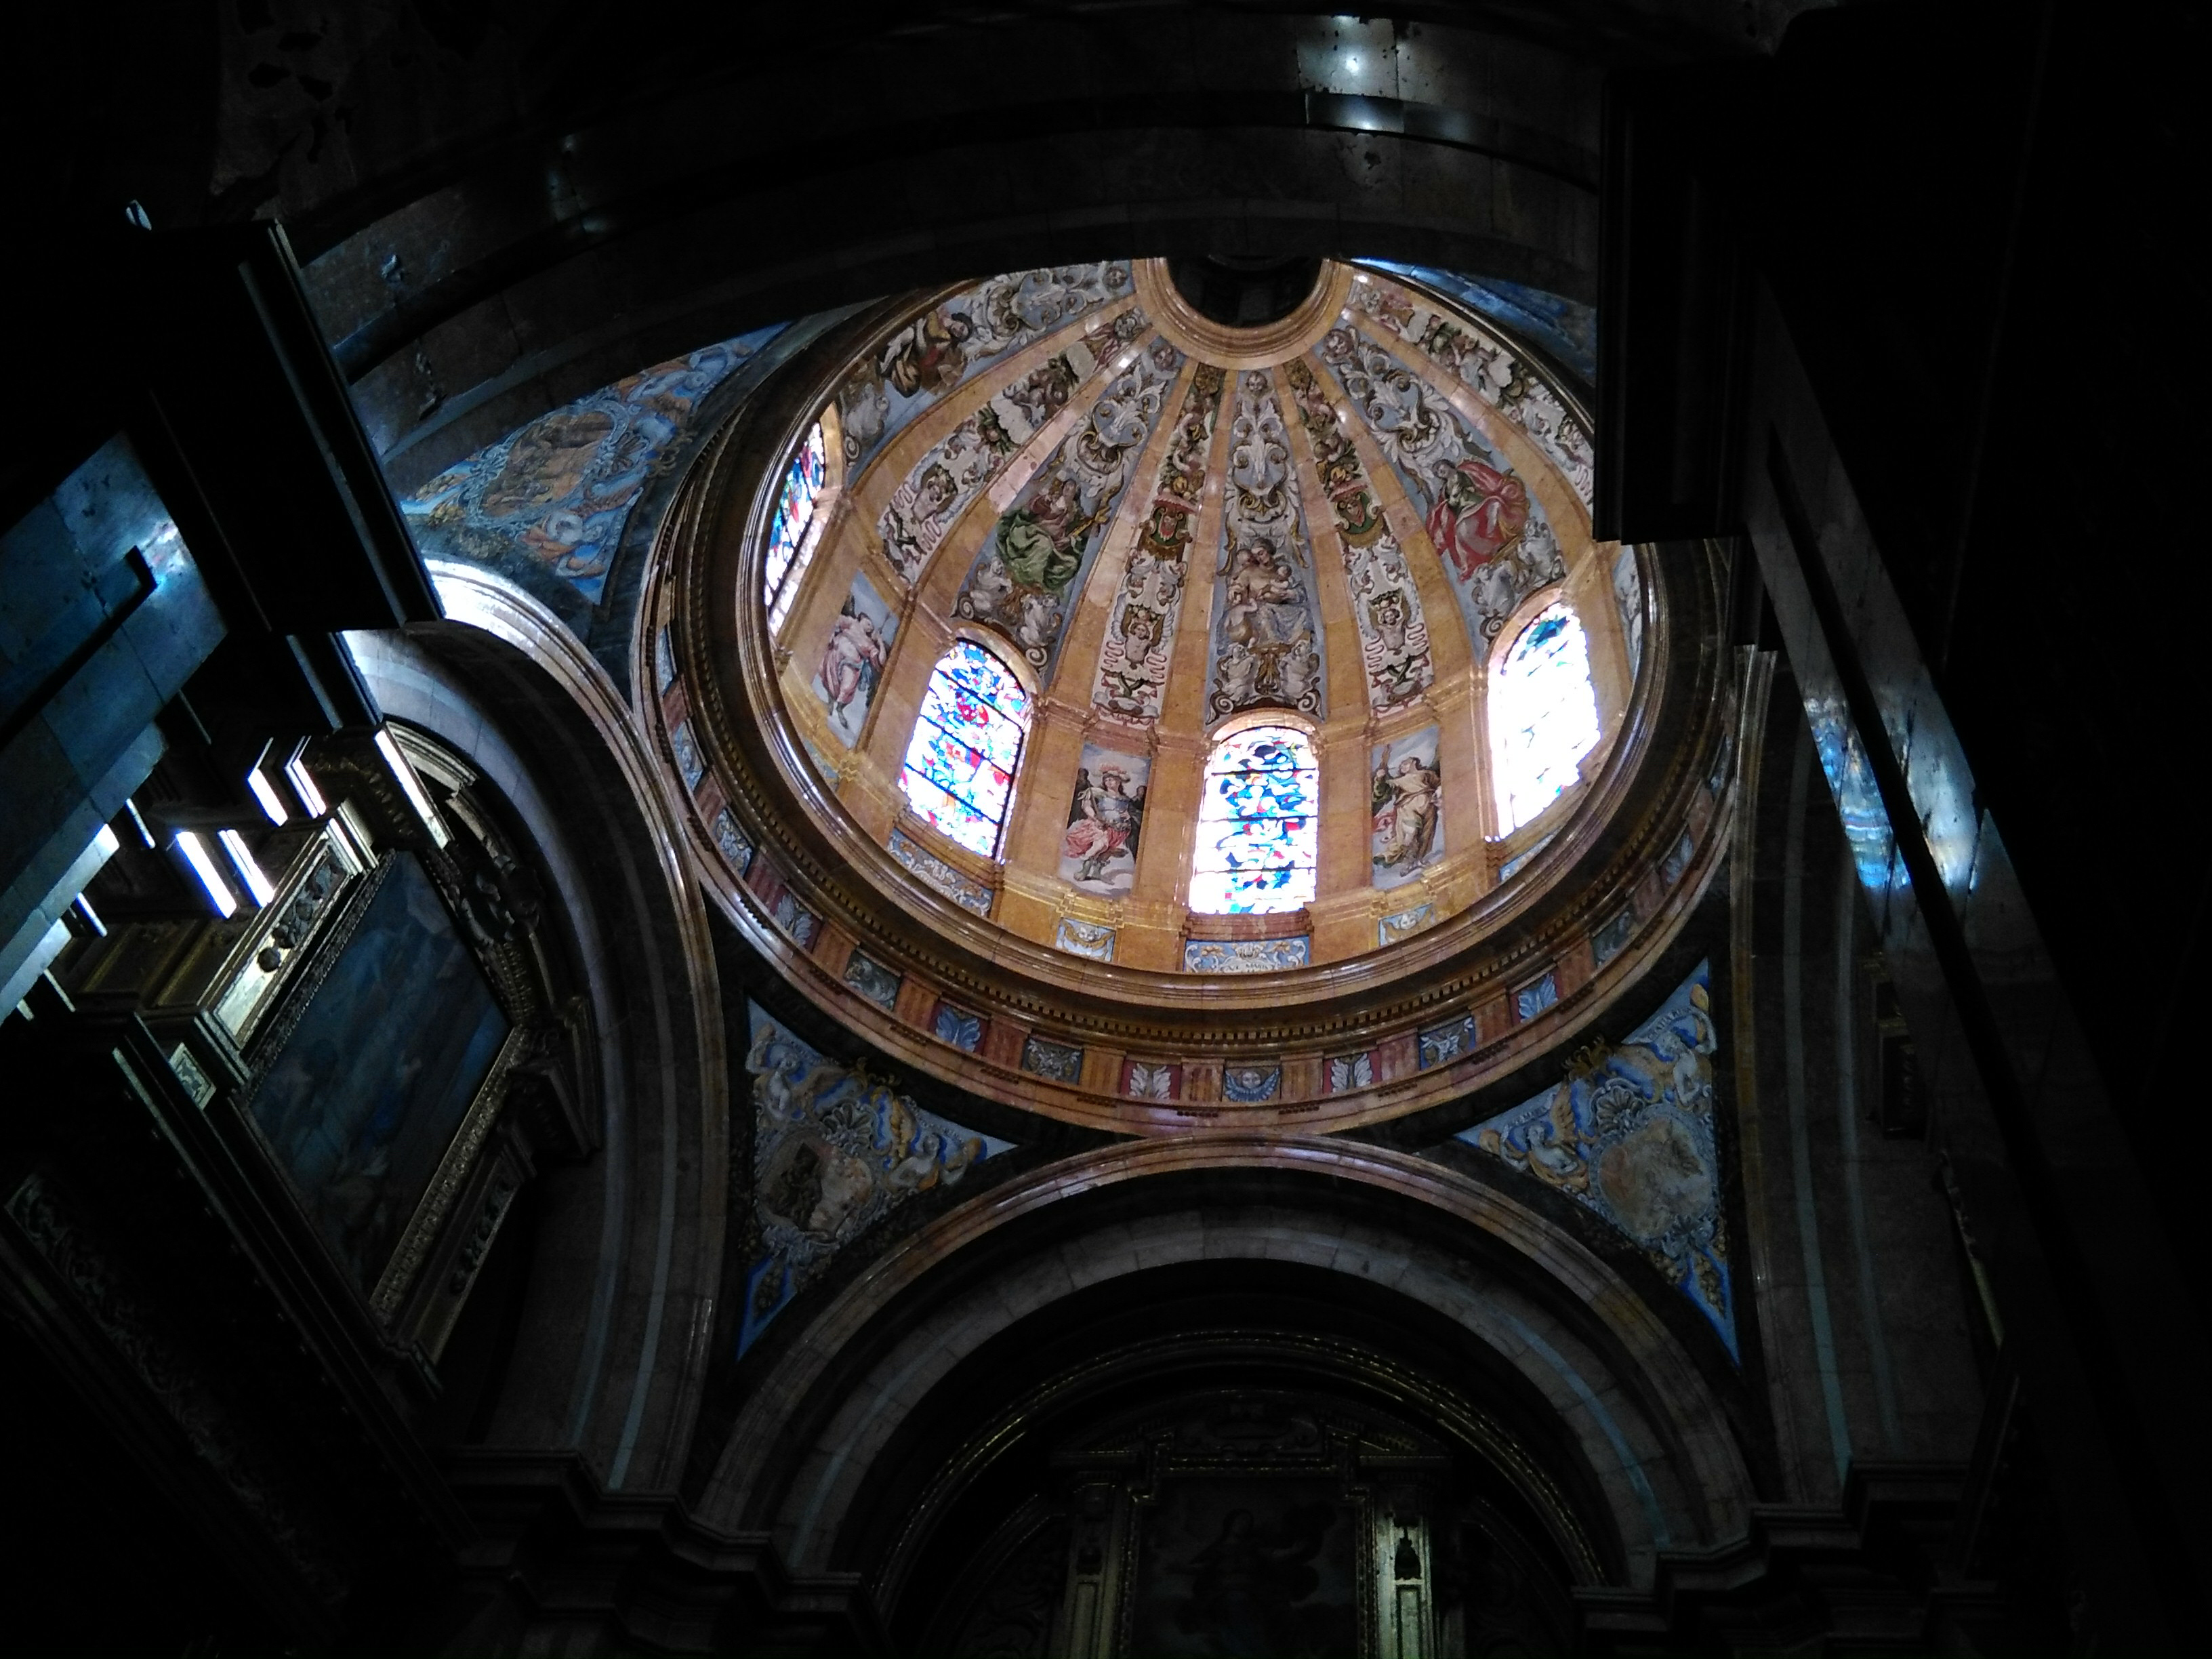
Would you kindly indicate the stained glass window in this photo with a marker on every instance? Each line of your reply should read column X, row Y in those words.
column 1258, row 834
column 789, row 547
column 966, row 746
column 1543, row 716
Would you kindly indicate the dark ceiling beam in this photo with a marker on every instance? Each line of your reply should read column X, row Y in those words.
column 597, row 222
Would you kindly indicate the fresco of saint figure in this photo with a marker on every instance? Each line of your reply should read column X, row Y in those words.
column 1408, row 807
column 853, row 658
column 1104, row 819
column 1478, row 512
column 929, row 355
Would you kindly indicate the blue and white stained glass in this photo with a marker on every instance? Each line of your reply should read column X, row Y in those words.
column 788, row 548
column 1543, row 716
column 967, row 744
column 1258, row 832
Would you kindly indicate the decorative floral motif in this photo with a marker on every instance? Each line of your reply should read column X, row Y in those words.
column 1385, row 602
column 1531, row 1000
column 1266, row 633
column 832, row 1152
column 1628, row 1133
column 966, row 742
column 1606, row 944
column 963, row 890
column 1143, row 1080
column 1246, row 955
column 1140, row 627
column 1258, row 823
column 939, row 350
column 1041, row 552
column 1092, row 940
column 958, row 1026
column 1494, row 541
column 796, row 920
column 1349, row 1071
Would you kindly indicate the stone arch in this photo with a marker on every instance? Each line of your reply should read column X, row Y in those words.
column 1644, row 1427
column 606, row 1357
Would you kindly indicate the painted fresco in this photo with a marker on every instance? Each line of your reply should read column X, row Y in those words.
column 559, row 492
column 941, row 486
column 1405, row 808
column 1267, row 644
column 1140, row 627
column 1385, row 602
column 1566, row 328
column 1489, row 369
column 373, row 1083
column 833, row 1152
column 1628, row 599
column 1246, row 955
column 1247, row 1564
column 945, row 345
column 1404, row 925
column 1078, row 937
column 1105, row 819
column 1496, row 545
column 1034, row 565
column 853, row 657
column 1629, row 1134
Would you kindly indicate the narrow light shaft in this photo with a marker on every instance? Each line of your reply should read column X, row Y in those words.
column 272, row 804
column 248, row 867
column 388, row 746
column 204, row 866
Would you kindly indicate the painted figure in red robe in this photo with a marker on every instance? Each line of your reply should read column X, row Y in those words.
column 1479, row 512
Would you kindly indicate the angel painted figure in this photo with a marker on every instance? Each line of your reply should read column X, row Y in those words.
column 1099, row 849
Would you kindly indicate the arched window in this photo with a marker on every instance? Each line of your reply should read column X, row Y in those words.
column 1257, row 835
column 1543, row 715
column 967, row 744
column 789, row 548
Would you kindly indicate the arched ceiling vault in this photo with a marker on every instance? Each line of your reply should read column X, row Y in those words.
column 501, row 211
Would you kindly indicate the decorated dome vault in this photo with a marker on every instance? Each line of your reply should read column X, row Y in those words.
column 1106, row 708
column 1180, row 645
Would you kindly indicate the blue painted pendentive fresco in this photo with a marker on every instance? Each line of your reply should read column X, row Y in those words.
column 552, row 500
column 373, row 1083
column 1628, row 1133
column 1566, row 328
column 833, row 1152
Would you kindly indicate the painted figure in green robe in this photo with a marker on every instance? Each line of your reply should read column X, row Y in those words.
column 1040, row 541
